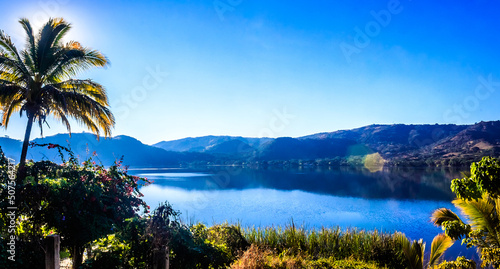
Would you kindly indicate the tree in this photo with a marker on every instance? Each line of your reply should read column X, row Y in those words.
column 39, row 81
column 478, row 197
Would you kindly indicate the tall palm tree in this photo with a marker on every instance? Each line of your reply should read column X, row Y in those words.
column 40, row 81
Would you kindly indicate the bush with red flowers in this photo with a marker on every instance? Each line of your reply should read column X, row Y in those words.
column 81, row 202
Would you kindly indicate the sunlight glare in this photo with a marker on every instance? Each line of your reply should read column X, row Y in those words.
column 374, row 162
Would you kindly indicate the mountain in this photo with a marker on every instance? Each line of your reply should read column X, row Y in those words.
column 397, row 144
column 107, row 150
column 231, row 147
column 394, row 140
column 206, row 143
column 480, row 139
column 286, row 148
column 11, row 147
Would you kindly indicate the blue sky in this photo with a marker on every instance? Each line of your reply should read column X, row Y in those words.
column 288, row 68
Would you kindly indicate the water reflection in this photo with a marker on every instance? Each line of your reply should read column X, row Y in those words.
column 395, row 183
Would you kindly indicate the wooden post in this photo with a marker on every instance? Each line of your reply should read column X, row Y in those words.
column 161, row 258
column 52, row 248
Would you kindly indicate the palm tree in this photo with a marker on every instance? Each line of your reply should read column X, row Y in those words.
column 39, row 81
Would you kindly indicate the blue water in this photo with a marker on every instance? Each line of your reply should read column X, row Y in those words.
column 391, row 200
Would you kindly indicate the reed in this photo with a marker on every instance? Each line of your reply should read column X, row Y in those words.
column 335, row 243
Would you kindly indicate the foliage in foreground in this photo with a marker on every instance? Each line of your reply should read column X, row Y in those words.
column 478, row 197
column 258, row 257
column 80, row 202
column 196, row 246
column 459, row 263
column 382, row 248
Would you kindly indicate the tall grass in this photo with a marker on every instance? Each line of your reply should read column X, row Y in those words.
column 336, row 243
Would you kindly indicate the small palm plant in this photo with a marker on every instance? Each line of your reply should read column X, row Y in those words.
column 40, row 81
column 413, row 251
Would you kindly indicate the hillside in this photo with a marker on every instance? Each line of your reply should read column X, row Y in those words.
column 108, row 150
column 397, row 144
column 207, row 143
column 477, row 140
column 287, row 148
column 395, row 140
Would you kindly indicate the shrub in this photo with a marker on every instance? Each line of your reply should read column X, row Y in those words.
column 134, row 244
column 81, row 202
column 259, row 258
column 460, row 263
column 340, row 264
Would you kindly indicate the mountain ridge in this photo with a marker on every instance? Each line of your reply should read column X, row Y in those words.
column 396, row 144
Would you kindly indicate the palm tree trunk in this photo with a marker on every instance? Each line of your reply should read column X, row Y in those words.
column 24, row 152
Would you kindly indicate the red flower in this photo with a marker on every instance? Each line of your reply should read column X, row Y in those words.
column 129, row 190
column 51, row 146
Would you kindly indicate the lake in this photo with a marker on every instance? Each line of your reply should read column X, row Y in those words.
column 389, row 200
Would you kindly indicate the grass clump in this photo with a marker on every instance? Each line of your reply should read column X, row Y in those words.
column 331, row 244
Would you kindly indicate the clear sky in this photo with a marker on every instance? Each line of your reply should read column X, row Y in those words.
column 280, row 68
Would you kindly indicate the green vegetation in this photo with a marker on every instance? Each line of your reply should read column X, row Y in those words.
column 81, row 202
column 334, row 243
column 258, row 257
column 98, row 210
column 478, row 197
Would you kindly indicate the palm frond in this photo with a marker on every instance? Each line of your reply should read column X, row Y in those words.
column 8, row 108
column 8, row 47
column 482, row 216
column 9, row 91
column 13, row 68
column 479, row 212
column 439, row 245
column 413, row 251
column 62, row 28
column 12, row 60
column 441, row 215
column 10, row 76
column 59, row 114
column 30, row 41
column 72, row 60
column 29, row 62
column 47, row 45
column 84, row 101
column 86, row 87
